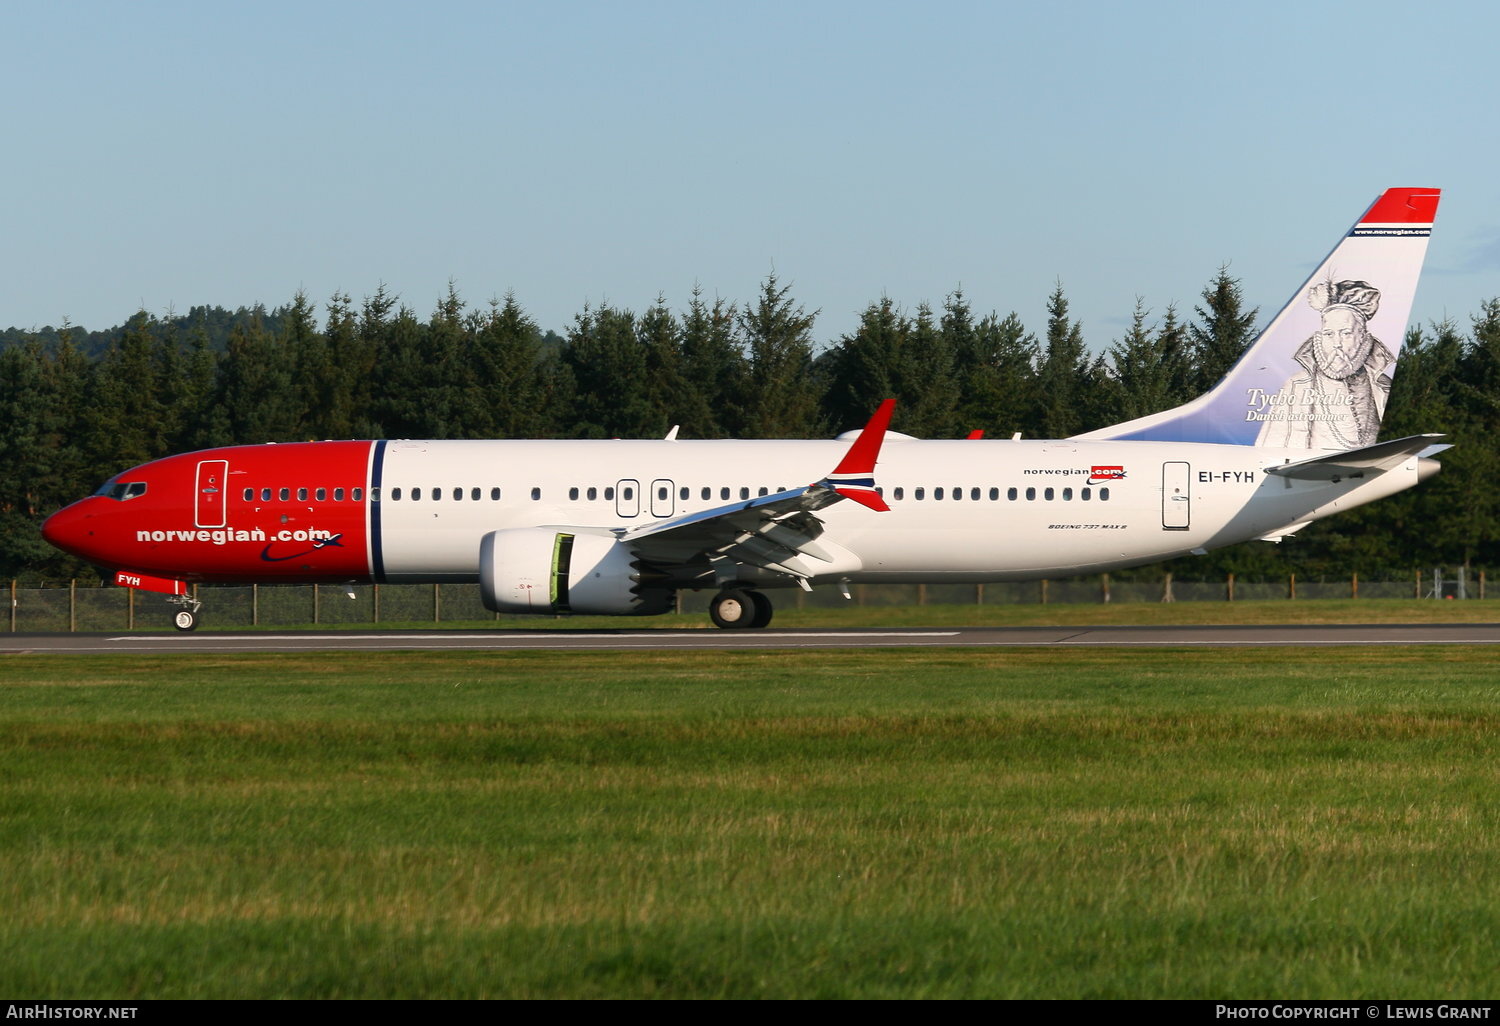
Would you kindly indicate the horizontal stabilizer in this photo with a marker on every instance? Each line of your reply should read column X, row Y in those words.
column 1380, row 457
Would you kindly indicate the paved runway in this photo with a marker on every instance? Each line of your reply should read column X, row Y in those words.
column 561, row 639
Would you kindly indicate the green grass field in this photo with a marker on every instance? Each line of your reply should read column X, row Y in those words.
column 998, row 823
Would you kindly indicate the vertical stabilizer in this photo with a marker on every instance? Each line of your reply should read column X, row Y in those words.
column 1317, row 378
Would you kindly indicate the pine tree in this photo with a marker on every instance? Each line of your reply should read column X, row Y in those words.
column 927, row 382
column 891, row 355
column 865, row 367
column 1223, row 333
column 1063, row 376
column 126, row 425
column 714, row 365
column 1007, row 394
column 509, row 373
column 670, row 391
column 258, row 390
column 401, row 371
column 348, row 365
column 607, row 365
column 777, row 333
column 1145, row 372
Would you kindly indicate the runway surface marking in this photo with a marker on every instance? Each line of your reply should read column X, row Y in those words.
column 595, row 640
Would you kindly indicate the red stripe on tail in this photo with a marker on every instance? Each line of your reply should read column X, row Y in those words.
column 1403, row 206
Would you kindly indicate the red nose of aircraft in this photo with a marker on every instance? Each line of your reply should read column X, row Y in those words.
column 70, row 529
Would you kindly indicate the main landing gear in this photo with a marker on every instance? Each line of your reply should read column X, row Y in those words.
column 739, row 609
column 186, row 618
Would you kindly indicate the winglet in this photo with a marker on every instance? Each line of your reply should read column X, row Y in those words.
column 854, row 477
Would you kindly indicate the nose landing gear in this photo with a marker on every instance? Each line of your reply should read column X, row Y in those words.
column 740, row 609
column 186, row 618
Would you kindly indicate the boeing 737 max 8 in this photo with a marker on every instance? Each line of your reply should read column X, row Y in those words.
column 616, row 527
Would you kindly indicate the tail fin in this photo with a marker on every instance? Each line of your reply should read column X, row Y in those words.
column 1318, row 376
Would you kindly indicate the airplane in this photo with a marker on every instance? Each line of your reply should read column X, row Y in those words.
column 617, row 527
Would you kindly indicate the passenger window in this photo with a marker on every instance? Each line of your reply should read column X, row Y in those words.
column 994, row 494
column 764, row 490
column 1067, row 494
column 1030, row 494
column 249, row 494
column 573, row 494
column 627, row 493
column 1048, row 494
column 473, row 494
column 359, row 493
column 958, row 493
column 724, row 493
column 937, row 493
column 286, row 494
column 593, row 493
column 494, row 495
column 744, row 493
column 920, row 494
column 662, row 493
column 707, row 493
column 536, row 494
column 374, row 494
column 458, row 494
column 416, row 494
column 609, row 494
column 900, row 494
column 1104, row 495
column 321, row 495
column 338, row 495
column 1084, row 493
column 684, row 493
column 395, row 495
column 265, row 495
column 301, row 494
column 974, row 494
column 437, row 493
column 1010, row 493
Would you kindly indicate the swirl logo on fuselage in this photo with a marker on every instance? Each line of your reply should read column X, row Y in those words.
column 318, row 543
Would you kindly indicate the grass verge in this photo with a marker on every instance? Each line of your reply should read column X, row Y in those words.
column 850, row 824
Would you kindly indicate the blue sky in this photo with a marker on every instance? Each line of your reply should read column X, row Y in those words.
column 162, row 155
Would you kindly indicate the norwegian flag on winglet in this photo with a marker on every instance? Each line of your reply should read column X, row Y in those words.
column 854, row 477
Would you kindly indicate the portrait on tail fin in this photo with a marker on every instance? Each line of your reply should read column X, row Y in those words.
column 1339, row 397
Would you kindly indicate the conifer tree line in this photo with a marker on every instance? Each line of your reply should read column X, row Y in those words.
column 75, row 408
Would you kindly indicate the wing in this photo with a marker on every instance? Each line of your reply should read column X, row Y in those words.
column 777, row 533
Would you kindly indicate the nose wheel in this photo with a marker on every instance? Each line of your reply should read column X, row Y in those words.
column 186, row 618
column 738, row 609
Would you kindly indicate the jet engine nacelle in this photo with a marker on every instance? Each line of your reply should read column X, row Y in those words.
column 548, row 570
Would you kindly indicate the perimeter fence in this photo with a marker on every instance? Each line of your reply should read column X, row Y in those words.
column 92, row 606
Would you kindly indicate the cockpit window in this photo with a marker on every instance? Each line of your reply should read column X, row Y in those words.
column 122, row 490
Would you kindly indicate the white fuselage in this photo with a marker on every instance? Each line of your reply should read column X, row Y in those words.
column 960, row 511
